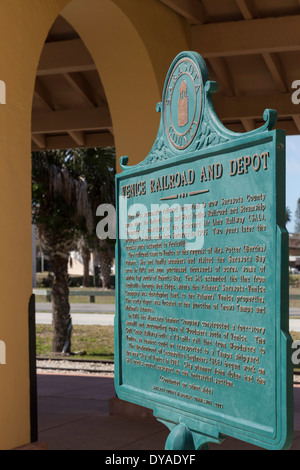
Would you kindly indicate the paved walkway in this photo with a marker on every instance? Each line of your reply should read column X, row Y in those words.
column 82, row 314
column 108, row 308
column 80, row 308
column 79, row 319
column 74, row 415
column 294, row 312
column 108, row 320
column 294, row 325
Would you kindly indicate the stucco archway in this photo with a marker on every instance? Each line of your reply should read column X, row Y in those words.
column 132, row 66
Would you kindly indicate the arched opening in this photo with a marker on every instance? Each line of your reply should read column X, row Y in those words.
column 69, row 111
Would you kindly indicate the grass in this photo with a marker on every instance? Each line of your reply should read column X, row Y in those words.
column 87, row 342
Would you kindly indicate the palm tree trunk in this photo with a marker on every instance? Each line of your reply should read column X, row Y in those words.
column 86, row 256
column 106, row 257
column 61, row 318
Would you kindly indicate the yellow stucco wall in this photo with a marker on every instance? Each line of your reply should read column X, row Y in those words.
column 125, row 38
column 23, row 28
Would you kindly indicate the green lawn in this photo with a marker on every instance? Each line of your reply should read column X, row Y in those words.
column 87, row 342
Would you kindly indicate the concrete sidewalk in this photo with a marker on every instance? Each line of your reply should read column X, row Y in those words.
column 107, row 319
column 104, row 319
column 108, row 308
column 78, row 308
column 74, row 415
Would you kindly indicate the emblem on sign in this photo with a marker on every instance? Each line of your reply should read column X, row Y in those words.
column 183, row 103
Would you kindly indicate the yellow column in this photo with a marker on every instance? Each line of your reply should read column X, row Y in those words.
column 23, row 29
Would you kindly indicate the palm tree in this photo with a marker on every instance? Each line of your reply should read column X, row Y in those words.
column 67, row 187
column 98, row 167
column 288, row 215
column 61, row 210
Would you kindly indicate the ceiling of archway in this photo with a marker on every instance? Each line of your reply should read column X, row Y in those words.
column 69, row 105
column 251, row 47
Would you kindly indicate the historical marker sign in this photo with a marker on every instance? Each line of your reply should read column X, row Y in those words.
column 201, row 328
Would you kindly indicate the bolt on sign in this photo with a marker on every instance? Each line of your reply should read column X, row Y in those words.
column 202, row 317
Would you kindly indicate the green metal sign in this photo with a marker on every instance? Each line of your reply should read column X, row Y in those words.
column 201, row 329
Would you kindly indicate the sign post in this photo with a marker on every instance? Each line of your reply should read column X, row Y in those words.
column 202, row 316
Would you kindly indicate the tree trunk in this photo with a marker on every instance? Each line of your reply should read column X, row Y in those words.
column 61, row 318
column 106, row 257
column 86, row 256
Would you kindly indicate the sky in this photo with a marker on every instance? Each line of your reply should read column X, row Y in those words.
column 292, row 177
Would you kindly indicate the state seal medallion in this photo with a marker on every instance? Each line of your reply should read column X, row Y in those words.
column 183, row 103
